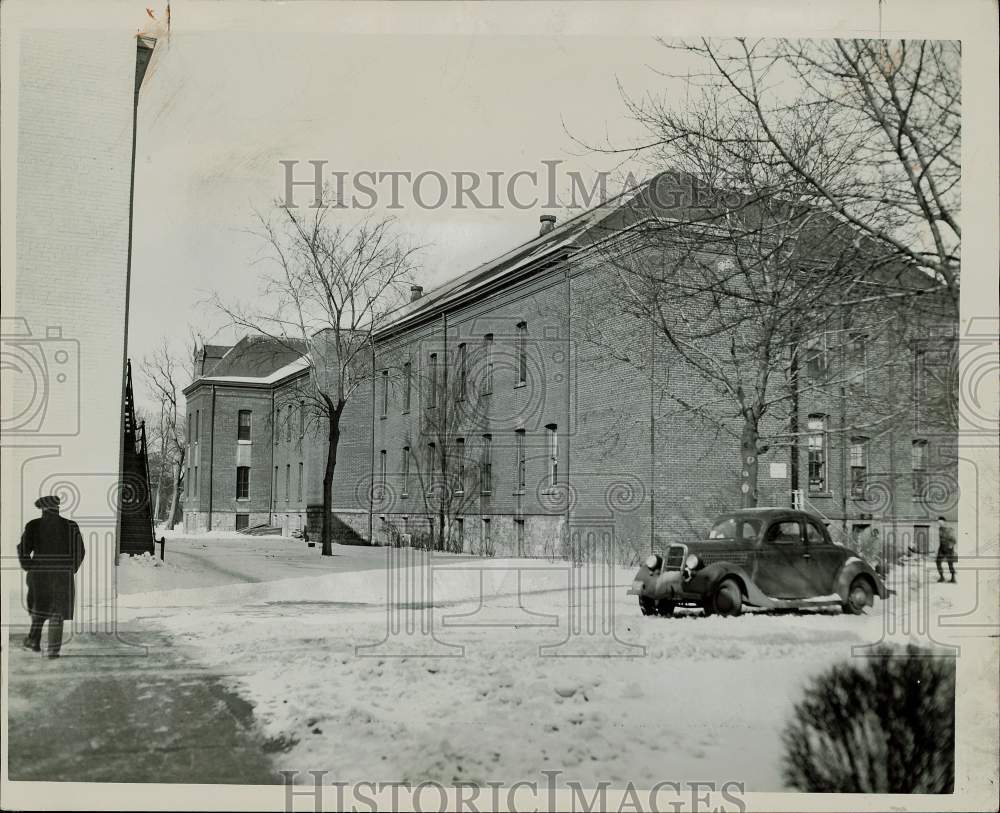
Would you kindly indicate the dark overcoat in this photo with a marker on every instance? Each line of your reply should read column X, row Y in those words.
column 51, row 552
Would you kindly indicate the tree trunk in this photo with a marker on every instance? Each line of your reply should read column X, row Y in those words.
column 749, row 463
column 175, row 501
column 331, row 467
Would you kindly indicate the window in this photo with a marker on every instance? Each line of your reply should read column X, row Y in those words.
column 486, row 466
column 817, row 453
column 519, row 461
column 919, row 384
column 814, row 536
column 553, row 443
column 288, row 481
column 288, row 423
column 487, row 383
column 406, row 471
column 487, row 535
column 519, row 525
column 300, row 482
column 460, row 465
column 385, row 393
column 191, row 437
column 407, row 385
column 243, row 482
column 302, row 419
column 462, row 372
column 275, row 489
column 522, row 353
column 194, row 482
column 784, row 533
column 197, row 425
column 432, row 381
column 857, row 360
column 242, row 521
column 859, row 466
column 815, row 356
column 460, row 533
column 431, row 464
column 243, row 425
column 381, row 469
column 918, row 461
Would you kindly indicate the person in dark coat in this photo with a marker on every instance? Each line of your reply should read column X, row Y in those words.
column 946, row 550
column 51, row 551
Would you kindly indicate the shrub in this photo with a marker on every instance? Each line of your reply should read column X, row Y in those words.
column 884, row 724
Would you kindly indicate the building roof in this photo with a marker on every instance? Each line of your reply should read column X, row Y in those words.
column 252, row 360
column 669, row 196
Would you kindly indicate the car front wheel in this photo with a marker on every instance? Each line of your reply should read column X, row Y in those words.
column 728, row 598
column 647, row 605
column 859, row 596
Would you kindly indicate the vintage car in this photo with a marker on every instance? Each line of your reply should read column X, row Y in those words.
column 773, row 558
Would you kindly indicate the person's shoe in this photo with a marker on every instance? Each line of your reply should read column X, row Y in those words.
column 51, row 654
column 27, row 643
column 952, row 580
column 940, row 579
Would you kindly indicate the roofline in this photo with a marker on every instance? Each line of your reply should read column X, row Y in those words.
column 259, row 384
column 420, row 313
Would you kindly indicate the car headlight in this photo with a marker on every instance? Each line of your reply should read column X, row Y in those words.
column 692, row 562
column 653, row 562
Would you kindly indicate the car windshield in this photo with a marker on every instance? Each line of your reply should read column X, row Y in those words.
column 735, row 528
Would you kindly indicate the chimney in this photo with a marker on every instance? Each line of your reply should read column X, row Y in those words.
column 548, row 224
column 416, row 291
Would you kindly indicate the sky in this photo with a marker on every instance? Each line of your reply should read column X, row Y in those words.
column 219, row 109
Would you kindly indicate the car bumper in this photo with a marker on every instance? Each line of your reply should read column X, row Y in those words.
column 659, row 586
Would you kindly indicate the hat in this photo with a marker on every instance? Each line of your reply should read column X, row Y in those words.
column 50, row 501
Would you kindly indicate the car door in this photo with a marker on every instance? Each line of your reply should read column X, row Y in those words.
column 826, row 558
column 784, row 567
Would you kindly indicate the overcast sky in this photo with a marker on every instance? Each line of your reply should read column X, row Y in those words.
column 220, row 109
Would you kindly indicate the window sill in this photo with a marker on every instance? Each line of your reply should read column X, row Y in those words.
column 405, row 412
column 485, row 493
column 242, row 499
column 821, row 494
column 404, row 496
column 520, row 385
column 382, row 417
column 244, row 442
column 518, row 493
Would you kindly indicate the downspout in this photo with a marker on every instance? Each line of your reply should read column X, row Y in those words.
column 444, row 513
column 844, row 434
column 652, row 436
column 270, row 468
column 569, row 410
column 211, row 459
column 371, row 517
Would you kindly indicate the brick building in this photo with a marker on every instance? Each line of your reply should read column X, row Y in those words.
column 518, row 404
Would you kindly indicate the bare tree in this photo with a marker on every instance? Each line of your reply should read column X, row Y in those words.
column 332, row 285
column 165, row 373
column 743, row 289
column 869, row 129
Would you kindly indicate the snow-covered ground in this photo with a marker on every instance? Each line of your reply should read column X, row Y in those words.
column 487, row 696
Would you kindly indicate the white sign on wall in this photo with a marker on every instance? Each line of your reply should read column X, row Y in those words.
column 779, row 471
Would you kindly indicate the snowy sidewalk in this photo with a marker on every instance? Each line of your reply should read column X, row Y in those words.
column 111, row 711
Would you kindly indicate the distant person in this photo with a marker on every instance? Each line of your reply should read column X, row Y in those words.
column 946, row 550
column 51, row 551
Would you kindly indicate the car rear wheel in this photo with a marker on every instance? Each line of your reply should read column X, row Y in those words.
column 859, row 596
column 728, row 598
column 647, row 605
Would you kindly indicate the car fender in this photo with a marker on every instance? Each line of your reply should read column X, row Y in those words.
column 854, row 566
column 705, row 579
